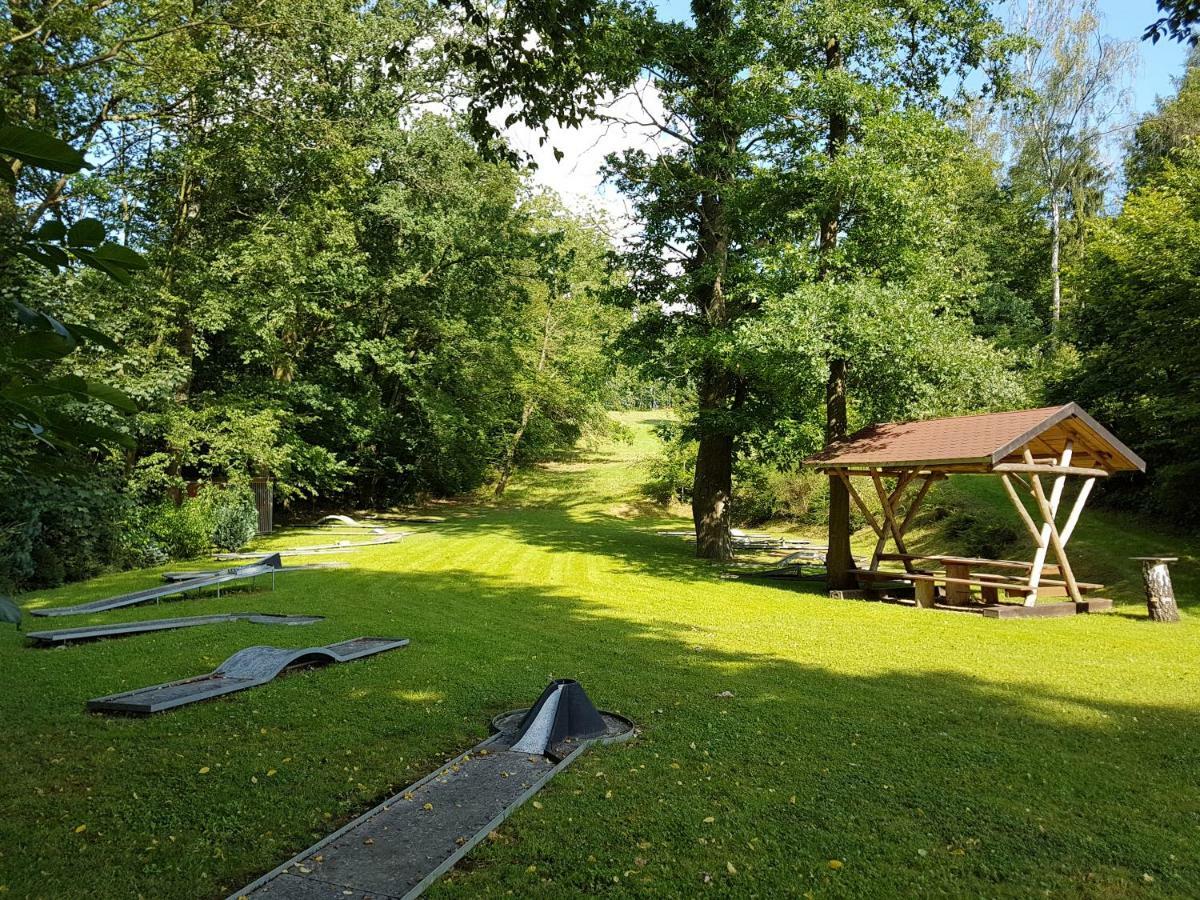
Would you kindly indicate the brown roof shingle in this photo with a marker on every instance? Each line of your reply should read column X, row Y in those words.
column 981, row 441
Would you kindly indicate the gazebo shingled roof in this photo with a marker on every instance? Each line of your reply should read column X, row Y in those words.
column 977, row 443
column 1021, row 447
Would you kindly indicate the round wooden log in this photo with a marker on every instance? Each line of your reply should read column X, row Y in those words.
column 1160, row 596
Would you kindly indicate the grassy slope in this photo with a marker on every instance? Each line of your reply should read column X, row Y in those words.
column 928, row 753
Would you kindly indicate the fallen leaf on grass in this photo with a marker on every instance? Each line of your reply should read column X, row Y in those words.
column 204, row 770
column 729, row 867
column 80, row 829
column 835, row 864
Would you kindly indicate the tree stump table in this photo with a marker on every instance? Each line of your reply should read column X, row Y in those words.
column 1160, row 596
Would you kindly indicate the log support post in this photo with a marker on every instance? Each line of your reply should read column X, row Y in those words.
column 1160, row 596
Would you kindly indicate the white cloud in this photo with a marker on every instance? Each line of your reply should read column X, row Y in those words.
column 628, row 123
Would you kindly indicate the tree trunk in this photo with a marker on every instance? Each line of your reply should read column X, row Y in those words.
column 529, row 406
column 1160, row 595
column 839, row 560
column 1055, row 275
column 510, row 457
column 712, row 492
column 712, row 487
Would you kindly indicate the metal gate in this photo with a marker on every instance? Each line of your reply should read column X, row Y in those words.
column 264, row 500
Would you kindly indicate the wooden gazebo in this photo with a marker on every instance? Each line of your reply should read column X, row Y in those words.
column 1022, row 448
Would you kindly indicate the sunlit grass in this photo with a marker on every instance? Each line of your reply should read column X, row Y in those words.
column 927, row 753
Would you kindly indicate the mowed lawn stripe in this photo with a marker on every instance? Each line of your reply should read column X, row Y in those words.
column 924, row 753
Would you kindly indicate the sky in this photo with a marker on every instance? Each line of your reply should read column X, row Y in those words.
column 578, row 180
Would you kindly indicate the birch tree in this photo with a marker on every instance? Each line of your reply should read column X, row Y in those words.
column 1073, row 99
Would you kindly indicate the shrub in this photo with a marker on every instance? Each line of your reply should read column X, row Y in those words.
column 234, row 516
column 184, row 531
column 52, row 532
column 755, row 499
column 671, row 473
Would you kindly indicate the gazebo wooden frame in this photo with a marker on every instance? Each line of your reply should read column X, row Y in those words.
column 1033, row 452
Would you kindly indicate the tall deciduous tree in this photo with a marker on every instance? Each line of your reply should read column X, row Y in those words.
column 745, row 89
column 1073, row 91
column 1135, row 328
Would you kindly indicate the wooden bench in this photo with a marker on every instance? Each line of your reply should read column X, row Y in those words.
column 925, row 585
column 1048, row 569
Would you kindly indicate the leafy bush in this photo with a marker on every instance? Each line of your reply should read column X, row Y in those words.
column 52, row 532
column 672, row 472
column 184, row 531
column 755, row 499
column 233, row 514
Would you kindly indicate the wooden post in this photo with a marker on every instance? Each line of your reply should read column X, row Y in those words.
column 1039, row 556
column 1076, row 510
column 844, row 476
column 925, row 593
column 915, row 504
column 1048, row 509
column 1022, row 511
column 1160, row 596
column 887, row 501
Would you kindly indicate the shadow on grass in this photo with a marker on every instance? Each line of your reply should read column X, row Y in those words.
column 994, row 781
column 923, row 780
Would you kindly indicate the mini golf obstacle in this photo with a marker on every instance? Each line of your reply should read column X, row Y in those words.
column 247, row 668
column 406, row 843
column 267, row 565
column 744, row 540
column 204, row 573
column 802, row 565
column 124, row 629
column 327, row 548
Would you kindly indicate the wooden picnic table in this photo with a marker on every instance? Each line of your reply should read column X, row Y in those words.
column 962, row 574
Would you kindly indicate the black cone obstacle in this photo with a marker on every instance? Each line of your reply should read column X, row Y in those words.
column 564, row 713
column 402, row 846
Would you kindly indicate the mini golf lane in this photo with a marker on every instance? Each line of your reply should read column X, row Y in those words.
column 406, row 843
column 268, row 565
column 125, row 629
column 247, row 668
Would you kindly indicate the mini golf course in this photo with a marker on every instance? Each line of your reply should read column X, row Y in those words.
column 62, row 636
column 788, row 743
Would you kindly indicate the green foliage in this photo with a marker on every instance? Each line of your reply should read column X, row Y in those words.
column 672, row 469
column 1174, row 125
column 341, row 292
column 1179, row 23
column 766, row 494
column 61, row 530
column 184, row 530
column 234, row 516
column 48, row 407
column 1137, row 333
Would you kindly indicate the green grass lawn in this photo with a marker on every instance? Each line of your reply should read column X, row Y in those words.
column 867, row 749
